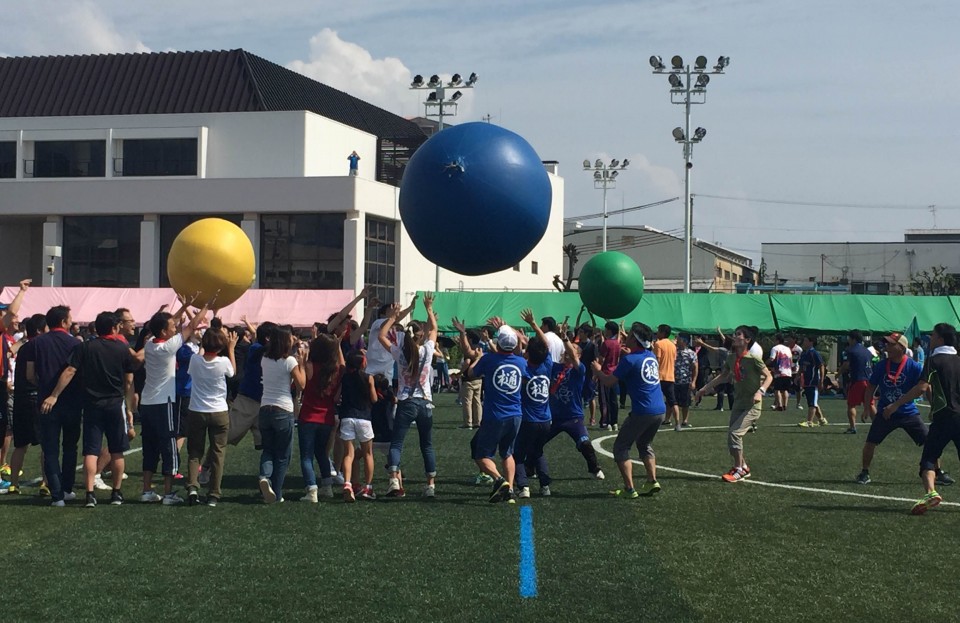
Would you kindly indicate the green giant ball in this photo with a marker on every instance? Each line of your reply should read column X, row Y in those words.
column 611, row 284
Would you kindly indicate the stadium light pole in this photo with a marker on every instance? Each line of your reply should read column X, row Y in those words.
column 688, row 86
column 605, row 177
column 437, row 105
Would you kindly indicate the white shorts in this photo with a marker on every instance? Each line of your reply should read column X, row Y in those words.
column 353, row 428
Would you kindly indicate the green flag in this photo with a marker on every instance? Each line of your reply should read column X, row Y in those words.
column 912, row 331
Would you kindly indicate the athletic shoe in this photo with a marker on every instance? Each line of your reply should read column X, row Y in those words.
column 59, row 504
column 501, row 491
column 752, row 429
column 511, row 497
column 806, row 424
column 212, row 500
column 13, row 490
column 687, row 425
column 326, row 491
column 483, row 479
column 614, row 427
column 172, row 499
column 863, row 478
column 4, row 486
column 593, row 421
column 193, row 498
column 150, row 496
column 930, row 500
column 677, row 428
column 824, row 422
column 69, row 496
column 178, row 476
column 626, row 493
column 393, row 488
column 348, row 494
column 91, row 500
column 524, row 493
column 338, row 479
column 116, row 497
column 110, row 473
column 203, row 477
column 6, row 472
column 43, row 491
column 800, row 406
column 430, row 491
column 311, row 495
column 267, row 491
column 943, row 479
column 100, row 485
column 850, row 431
column 367, row 493
column 650, row 488
column 604, row 427
column 735, row 475
column 599, row 475
column 545, row 491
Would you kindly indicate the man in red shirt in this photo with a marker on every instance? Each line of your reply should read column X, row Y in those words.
column 609, row 358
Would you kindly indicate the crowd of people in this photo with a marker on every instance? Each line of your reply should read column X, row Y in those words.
column 350, row 392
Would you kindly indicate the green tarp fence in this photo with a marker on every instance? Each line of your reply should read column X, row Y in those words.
column 704, row 313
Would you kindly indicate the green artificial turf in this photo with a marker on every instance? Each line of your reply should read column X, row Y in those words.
column 702, row 550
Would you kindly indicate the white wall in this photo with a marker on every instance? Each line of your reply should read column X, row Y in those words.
column 327, row 143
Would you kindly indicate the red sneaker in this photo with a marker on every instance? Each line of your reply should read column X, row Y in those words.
column 734, row 475
column 348, row 494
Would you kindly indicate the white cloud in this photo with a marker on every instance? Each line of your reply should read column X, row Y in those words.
column 46, row 27
column 351, row 68
column 662, row 181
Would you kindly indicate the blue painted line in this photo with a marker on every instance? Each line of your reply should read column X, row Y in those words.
column 528, row 556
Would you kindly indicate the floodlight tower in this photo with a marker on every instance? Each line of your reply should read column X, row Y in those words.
column 688, row 86
column 604, row 177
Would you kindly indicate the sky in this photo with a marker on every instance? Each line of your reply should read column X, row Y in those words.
column 833, row 122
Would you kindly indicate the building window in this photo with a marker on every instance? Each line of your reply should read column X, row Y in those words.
column 534, row 267
column 68, row 159
column 726, row 275
column 380, row 259
column 156, row 157
column 8, row 159
column 719, row 272
column 170, row 227
column 101, row 251
column 301, row 251
column 869, row 287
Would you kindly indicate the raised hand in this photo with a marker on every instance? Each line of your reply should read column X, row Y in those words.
column 527, row 316
column 25, row 284
column 496, row 322
column 458, row 325
column 428, row 300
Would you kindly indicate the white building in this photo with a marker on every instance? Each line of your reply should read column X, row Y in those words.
column 863, row 267
column 660, row 257
column 109, row 157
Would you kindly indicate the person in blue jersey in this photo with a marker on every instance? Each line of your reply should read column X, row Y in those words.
column 812, row 375
column 535, row 423
column 895, row 376
column 647, row 409
column 566, row 405
column 857, row 368
column 503, row 373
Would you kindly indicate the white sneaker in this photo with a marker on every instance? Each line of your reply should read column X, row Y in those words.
column 150, row 496
column 100, row 485
column 677, row 428
column 599, row 475
column 172, row 499
column 615, row 428
column 70, row 496
column 393, row 486
column 429, row 491
column 203, row 477
column 338, row 479
column 326, row 491
column 269, row 496
column 311, row 495
column 524, row 493
column 58, row 504
column 545, row 491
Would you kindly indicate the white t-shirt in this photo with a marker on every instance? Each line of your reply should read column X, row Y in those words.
column 160, row 364
column 379, row 359
column 756, row 351
column 554, row 345
column 419, row 387
column 208, row 393
column 782, row 359
column 276, row 382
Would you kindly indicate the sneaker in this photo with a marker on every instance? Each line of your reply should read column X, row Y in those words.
column 430, row 491
column 150, row 496
column 348, row 494
column 69, row 496
column 60, row 504
column 91, row 500
column 116, row 497
column 677, row 428
column 863, row 478
column 367, row 493
column 650, row 488
column 614, row 427
column 823, row 422
column 172, row 499
column 943, row 479
column 930, row 500
column 193, row 498
column 599, row 475
column 510, row 497
column 734, row 475
column 338, row 479
column 806, row 424
column 850, row 431
column 393, row 488
column 267, row 491
column 799, row 406
column 178, row 476
column 326, row 491
column 687, row 425
column 593, row 421
column 604, row 427
column 100, row 485
column 43, row 491
column 524, row 493
column 501, row 491
column 13, row 490
column 203, row 476
column 212, row 500
column 626, row 493
column 482, row 479
column 745, row 471
column 545, row 491
column 311, row 495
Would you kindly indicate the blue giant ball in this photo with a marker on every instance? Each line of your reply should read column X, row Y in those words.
column 475, row 199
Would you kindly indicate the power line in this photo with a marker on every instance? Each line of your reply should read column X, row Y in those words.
column 864, row 206
column 586, row 217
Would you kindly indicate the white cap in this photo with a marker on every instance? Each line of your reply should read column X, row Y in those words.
column 507, row 338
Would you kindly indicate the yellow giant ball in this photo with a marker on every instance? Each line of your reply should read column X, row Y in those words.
column 211, row 255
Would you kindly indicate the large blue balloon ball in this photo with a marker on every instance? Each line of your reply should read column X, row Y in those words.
column 475, row 199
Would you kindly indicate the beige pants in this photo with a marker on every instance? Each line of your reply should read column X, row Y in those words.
column 470, row 397
column 244, row 416
column 740, row 422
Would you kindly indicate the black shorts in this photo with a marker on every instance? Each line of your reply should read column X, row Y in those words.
column 881, row 427
column 26, row 420
column 944, row 429
column 669, row 396
column 4, row 412
column 682, row 394
column 104, row 421
column 782, row 383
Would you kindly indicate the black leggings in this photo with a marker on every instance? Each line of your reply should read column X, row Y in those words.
column 725, row 388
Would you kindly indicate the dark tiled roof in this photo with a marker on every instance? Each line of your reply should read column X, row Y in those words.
column 180, row 82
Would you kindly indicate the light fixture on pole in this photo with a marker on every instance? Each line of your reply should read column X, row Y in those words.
column 605, row 177
column 438, row 105
column 687, row 92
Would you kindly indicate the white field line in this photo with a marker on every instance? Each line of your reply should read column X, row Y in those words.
column 36, row 481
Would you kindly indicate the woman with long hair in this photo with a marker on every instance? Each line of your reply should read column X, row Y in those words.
column 318, row 412
column 414, row 361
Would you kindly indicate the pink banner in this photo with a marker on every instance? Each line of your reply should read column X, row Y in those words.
column 300, row 308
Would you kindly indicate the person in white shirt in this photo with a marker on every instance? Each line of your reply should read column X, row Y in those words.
column 208, row 414
column 157, row 423
column 782, row 359
column 379, row 359
column 548, row 324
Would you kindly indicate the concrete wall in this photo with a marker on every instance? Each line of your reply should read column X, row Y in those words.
column 22, row 244
column 327, row 143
